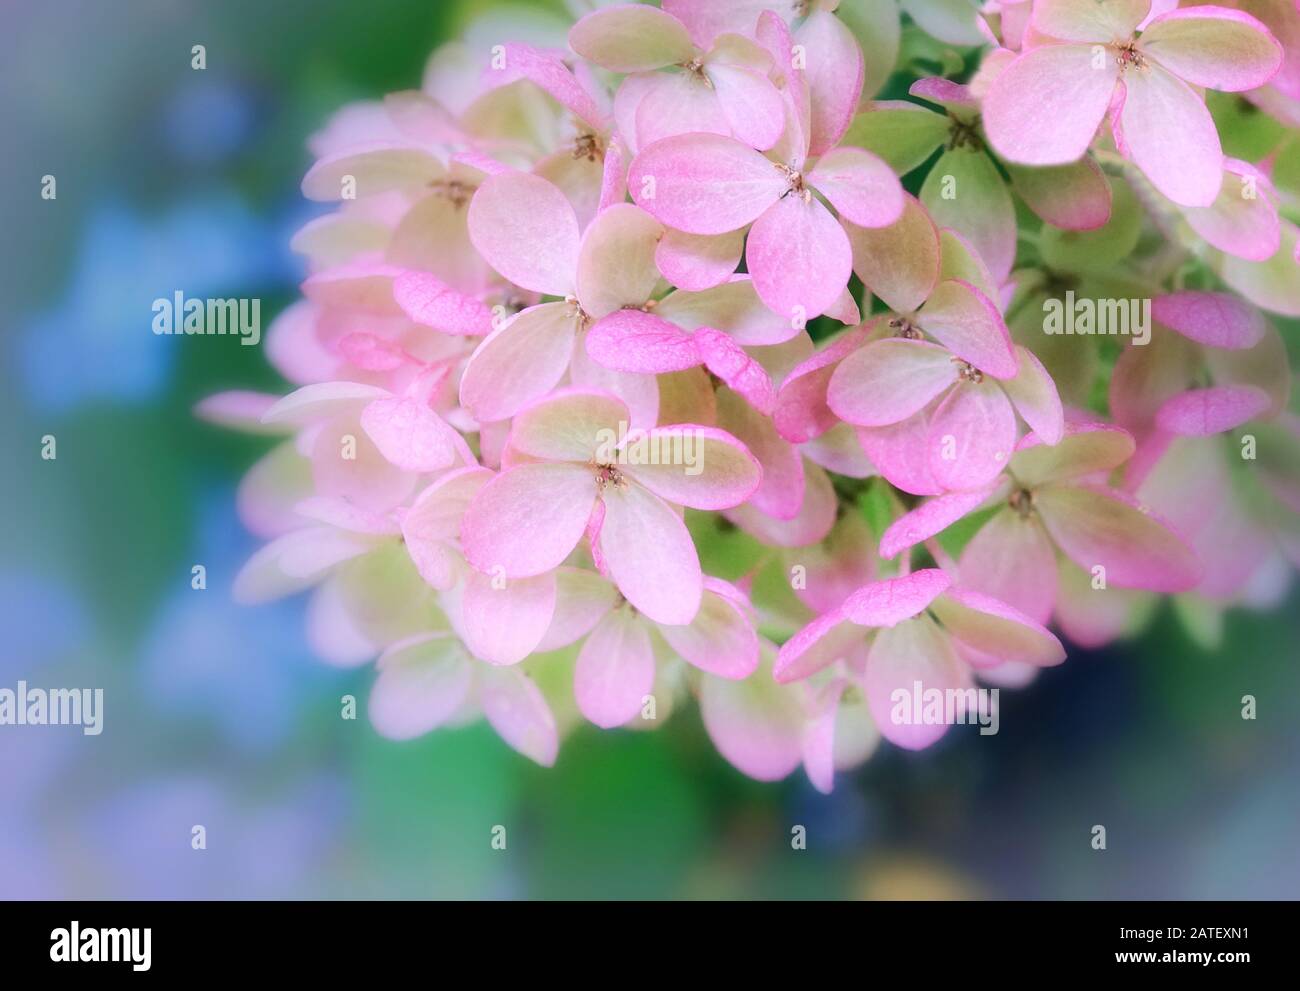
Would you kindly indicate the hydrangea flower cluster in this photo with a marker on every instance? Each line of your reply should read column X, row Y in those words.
column 652, row 357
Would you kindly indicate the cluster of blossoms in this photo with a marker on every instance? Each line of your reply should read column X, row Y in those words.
column 628, row 370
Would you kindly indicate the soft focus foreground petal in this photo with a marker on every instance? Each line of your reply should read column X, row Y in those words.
column 898, row 263
column 1202, row 412
column 504, row 621
column 756, row 724
column 972, row 436
column 409, row 434
column 631, row 38
column 582, row 598
column 1089, row 615
column 893, row 600
column 931, row 517
column 704, row 183
column 814, row 520
column 1214, row 47
column 837, row 566
column 996, row 629
column 294, row 561
column 616, row 264
column 1012, row 559
column 887, row 381
column 861, row 187
column 526, row 520
column 347, row 464
column 1242, row 225
column 721, row 639
column 1103, row 527
column 969, row 325
column 1034, row 395
column 699, row 467
column 321, row 401
column 422, row 683
column 1058, row 83
column 913, row 656
column 615, row 670
column 799, row 257
column 569, row 425
column 374, row 170
column 517, row 710
column 696, row 261
column 1171, row 136
column 650, row 555
column 519, row 362
column 1215, row 319
column 526, row 229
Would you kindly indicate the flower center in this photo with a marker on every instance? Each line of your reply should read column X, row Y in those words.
column 964, row 134
column 1129, row 54
column 458, row 193
column 795, row 182
column 588, row 146
column 905, row 328
column 1022, row 501
column 607, row 475
column 967, row 372
column 577, row 312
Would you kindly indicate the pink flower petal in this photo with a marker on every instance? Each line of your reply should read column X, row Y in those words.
column 636, row 341
column 1084, row 449
column 699, row 467
column 756, row 724
column 1103, row 527
column 1074, row 197
column 433, row 523
column 888, row 381
column 835, row 71
column 616, row 264
column 523, row 61
column 721, row 639
column 615, row 670
column 733, row 307
column 422, row 683
column 969, row 325
column 892, row 600
column 729, row 362
column 675, row 104
column 898, row 263
column 502, row 622
column 1089, row 616
column 650, row 555
column 1214, row 47
column 517, row 710
column 799, row 257
column 860, row 186
column 913, row 658
column 750, row 103
column 526, row 229
column 1245, row 226
column 346, row 463
column 900, row 453
column 821, row 643
column 781, row 492
column 839, row 565
column 631, row 38
column 568, row 425
column 528, row 519
column 582, row 598
column 1012, row 559
column 996, row 629
column 931, row 517
column 1203, row 412
column 696, row 261
column 1089, row 20
column 409, row 434
column 1217, row 320
column 972, row 436
column 1058, row 83
column 704, row 183
column 1034, row 395
column 1171, row 136
column 801, row 411
column 519, row 362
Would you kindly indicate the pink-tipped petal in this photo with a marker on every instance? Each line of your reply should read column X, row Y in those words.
column 1214, row 47
column 631, row 38
column 615, row 672
column 1171, row 136
column 1213, row 410
column 517, row 710
column 997, row 629
column 422, row 683
column 1012, row 559
column 835, row 70
column 519, row 362
column 972, row 436
column 721, row 639
column 616, row 264
column 821, row 643
column 862, row 188
column 650, row 555
column 970, row 325
column 569, row 425
column 892, row 600
column 907, row 663
column 428, row 300
column 699, row 467
column 930, row 518
column 756, row 724
column 1074, row 197
column 695, row 261
column 526, row 229
column 636, row 341
column 1034, row 395
column 888, row 381
column 1217, row 320
column 409, row 434
column 502, row 622
column 799, row 257
column 1089, row 20
column 750, row 103
column 898, row 263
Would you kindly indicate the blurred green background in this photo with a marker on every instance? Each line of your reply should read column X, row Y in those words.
column 216, row 714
